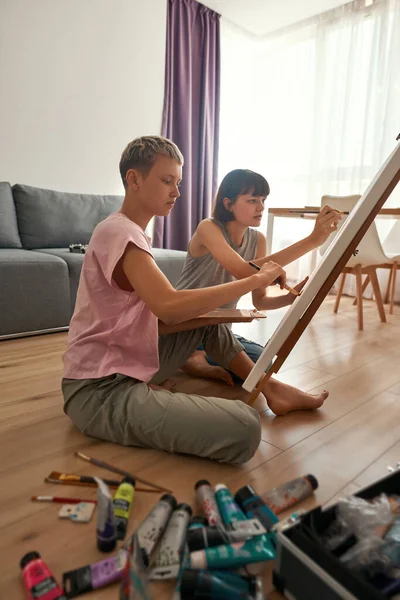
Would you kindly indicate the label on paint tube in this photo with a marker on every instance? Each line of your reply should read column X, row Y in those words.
column 206, row 498
column 106, row 525
column 153, row 526
column 169, row 553
column 94, row 576
column 251, row 527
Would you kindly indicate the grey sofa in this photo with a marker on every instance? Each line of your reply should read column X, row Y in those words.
column 38, row 275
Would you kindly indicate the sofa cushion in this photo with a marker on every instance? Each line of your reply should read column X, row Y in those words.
column 50, row 219
column 9, row 236
column 34, row 292
column 169, row 261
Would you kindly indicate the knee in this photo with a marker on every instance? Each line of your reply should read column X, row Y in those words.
column 249, row 437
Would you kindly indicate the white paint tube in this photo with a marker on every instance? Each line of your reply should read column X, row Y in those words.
column 169, row 553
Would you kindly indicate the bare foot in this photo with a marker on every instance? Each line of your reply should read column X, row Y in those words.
column 198, row 366
column 168, row 385
column 283, row 398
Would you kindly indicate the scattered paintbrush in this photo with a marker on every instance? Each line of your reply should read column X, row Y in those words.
column 61, row 500
column 277, row 281
column 104, row 465
column 87, row 481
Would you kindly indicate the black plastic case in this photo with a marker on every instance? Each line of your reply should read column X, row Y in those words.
column 306, row 571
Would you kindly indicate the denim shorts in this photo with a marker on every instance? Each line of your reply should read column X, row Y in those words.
column 252, row 349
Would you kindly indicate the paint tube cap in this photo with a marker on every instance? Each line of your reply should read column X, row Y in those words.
column 198, row 521
column 201, row 482
column 129, row 480
column 245, row 493
column 27, row 558
column 185, row 507
column 170, row 499
column 313, row 481
column 198, row 539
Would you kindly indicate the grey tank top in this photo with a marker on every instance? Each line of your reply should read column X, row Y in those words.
column 205, row 271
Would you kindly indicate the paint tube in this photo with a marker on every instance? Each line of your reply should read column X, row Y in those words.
column 229, row 556
column 38, row 579
column 213, row 584
column 94, row 576
column 106, row 526
column 168, row 557
column 290, row 493
column 207, row 537
column 206, row 498
column 135, row 583
column 122, row 504
column 154, row 524
column 228, row 508
column 255, row 508
column 233, row 516
column 197, row 523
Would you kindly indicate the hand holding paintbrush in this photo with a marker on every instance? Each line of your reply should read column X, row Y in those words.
column 278, row 281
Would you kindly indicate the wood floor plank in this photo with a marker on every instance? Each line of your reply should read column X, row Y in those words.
column 346, row 393
column 379, row 468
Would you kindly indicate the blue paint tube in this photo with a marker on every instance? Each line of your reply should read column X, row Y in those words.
column 106, row 526
column 230, row 556
column 228, row 508
column 209, row 585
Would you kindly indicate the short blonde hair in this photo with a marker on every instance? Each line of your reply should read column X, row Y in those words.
column 142, row 152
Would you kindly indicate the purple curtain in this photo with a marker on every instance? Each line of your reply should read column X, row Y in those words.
column 191, row 115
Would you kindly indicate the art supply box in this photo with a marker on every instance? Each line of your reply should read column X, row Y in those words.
column 305, row 570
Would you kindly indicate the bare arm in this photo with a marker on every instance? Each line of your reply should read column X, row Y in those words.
column 175, row 306
column 325, row 223
column 261, row 300
column 211, row 237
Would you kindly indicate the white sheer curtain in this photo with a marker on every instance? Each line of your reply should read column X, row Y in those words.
column 315, row 108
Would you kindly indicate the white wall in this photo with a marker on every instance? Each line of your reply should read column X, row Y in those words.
column 78, row 80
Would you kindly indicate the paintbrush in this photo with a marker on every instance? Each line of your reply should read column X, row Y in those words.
column 277, row 281
column 87, row 481
column 104, row 465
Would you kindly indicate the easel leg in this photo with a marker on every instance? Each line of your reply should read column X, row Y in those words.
column 257, row 390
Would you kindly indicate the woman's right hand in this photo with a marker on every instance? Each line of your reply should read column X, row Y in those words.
column 269, row 273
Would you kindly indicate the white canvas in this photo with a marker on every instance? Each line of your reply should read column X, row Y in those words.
column 330, row 259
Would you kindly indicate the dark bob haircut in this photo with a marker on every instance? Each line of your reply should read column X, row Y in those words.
column 234, row 184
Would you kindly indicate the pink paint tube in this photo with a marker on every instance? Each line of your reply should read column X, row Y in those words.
column 38, row 579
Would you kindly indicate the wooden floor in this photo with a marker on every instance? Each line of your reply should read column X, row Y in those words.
column 346, row 444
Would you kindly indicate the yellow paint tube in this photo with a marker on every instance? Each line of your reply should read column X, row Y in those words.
column 122, row 504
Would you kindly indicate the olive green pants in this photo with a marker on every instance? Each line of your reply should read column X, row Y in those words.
column 126, row 411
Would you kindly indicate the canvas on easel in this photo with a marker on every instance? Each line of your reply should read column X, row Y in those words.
column 322, row 279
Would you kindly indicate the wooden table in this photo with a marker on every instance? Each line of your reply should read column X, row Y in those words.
column 308, row 212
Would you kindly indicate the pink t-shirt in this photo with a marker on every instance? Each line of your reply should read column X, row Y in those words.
column 112, row 330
